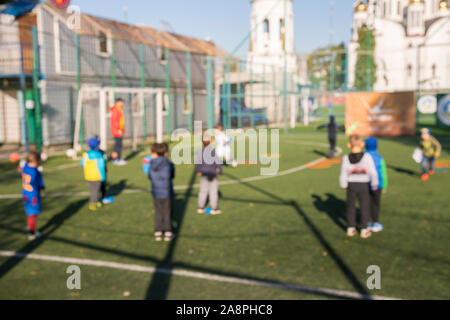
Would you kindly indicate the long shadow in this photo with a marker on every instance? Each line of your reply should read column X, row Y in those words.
column 333, row 207
column 403, row 170
column 160, row 282
column 337, row 259
column 200, row 269
column 117, row 188
column 50, row 227
column 320, row 153
column 132, row 155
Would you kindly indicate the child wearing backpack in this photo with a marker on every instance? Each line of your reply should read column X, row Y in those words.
column 93, row 163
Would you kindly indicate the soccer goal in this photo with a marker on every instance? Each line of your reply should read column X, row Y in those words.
column 143, row 111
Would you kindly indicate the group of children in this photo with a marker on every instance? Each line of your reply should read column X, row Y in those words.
column 363, row 175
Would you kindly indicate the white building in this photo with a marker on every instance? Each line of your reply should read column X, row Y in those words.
column 272, row 35
column 412, row 48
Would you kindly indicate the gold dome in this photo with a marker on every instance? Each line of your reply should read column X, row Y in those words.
column 361, row 7
column 443, row 5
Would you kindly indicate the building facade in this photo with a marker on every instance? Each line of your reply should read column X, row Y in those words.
column 77, row 49
column 412, row 43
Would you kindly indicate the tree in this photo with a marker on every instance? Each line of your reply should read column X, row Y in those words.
column 366, row 67
column 327, row 67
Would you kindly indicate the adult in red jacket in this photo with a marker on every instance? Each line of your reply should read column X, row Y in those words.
column 118, row 129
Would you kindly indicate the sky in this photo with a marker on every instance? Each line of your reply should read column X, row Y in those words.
column 227, row 22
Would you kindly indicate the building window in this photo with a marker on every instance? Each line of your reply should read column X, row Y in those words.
column 282, row 30
column 433, row 71
column 384, row 8
column 266, row 26
column 103, row 45
column 409, row 70
column 162, row 55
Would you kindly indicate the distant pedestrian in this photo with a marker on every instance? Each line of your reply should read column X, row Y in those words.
column 332, row 127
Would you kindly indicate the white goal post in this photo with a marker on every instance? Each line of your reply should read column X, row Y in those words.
column 103, row 98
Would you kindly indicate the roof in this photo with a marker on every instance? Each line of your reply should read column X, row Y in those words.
column 92, row 25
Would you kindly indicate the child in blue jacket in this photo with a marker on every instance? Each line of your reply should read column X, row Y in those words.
column 161, row 173
column 375, row 196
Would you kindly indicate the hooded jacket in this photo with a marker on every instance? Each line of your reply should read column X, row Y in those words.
column 358, row 168
column 380, row 164
column 117, row 122
column 161, row 173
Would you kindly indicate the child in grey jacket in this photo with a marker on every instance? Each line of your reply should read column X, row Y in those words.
column 208, row 167
column 357, row 172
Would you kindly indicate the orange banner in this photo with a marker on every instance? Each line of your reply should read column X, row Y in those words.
column 380, row 114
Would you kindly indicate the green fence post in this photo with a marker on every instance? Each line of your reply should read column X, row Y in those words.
column 22, row 99
column 209, row 92
column 346, row 71
column 368, row 61
column 31, row 117
column 275, row 102
column 78, row 68
column 37, row 98
column 239, row 99
column 113, row 65
column 144, row 120
column 169, row 107
column 228, row 126
column 189, row 92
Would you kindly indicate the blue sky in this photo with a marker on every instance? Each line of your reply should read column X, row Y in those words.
column 227, row 22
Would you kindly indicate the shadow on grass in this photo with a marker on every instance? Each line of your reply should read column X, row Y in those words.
column 160, row 282
column 50, row 227
column 345, row 269
column 403, row 170
column 132, row 155
column 333, row 207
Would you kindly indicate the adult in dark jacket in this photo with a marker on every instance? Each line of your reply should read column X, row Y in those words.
column 332, row 134
column 161, row 174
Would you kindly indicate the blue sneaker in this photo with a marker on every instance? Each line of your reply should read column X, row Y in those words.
column 108, row 200
column 377, row 227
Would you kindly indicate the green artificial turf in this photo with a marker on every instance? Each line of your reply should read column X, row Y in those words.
column 288, row 229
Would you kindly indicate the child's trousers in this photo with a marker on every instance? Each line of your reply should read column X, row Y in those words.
column 425, row 162
column 360, row 192
column 208, row 187
column 375, row 202
column 163, row 215
column 94, row 189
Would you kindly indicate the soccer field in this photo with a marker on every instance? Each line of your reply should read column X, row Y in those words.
column 280, row 237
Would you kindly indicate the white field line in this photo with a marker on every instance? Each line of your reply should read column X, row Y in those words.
column 185, row 187
column 192, row 274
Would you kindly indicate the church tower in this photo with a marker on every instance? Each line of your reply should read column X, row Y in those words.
column 272, row 36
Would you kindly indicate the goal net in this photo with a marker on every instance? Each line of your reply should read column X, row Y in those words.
column 143, row 113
